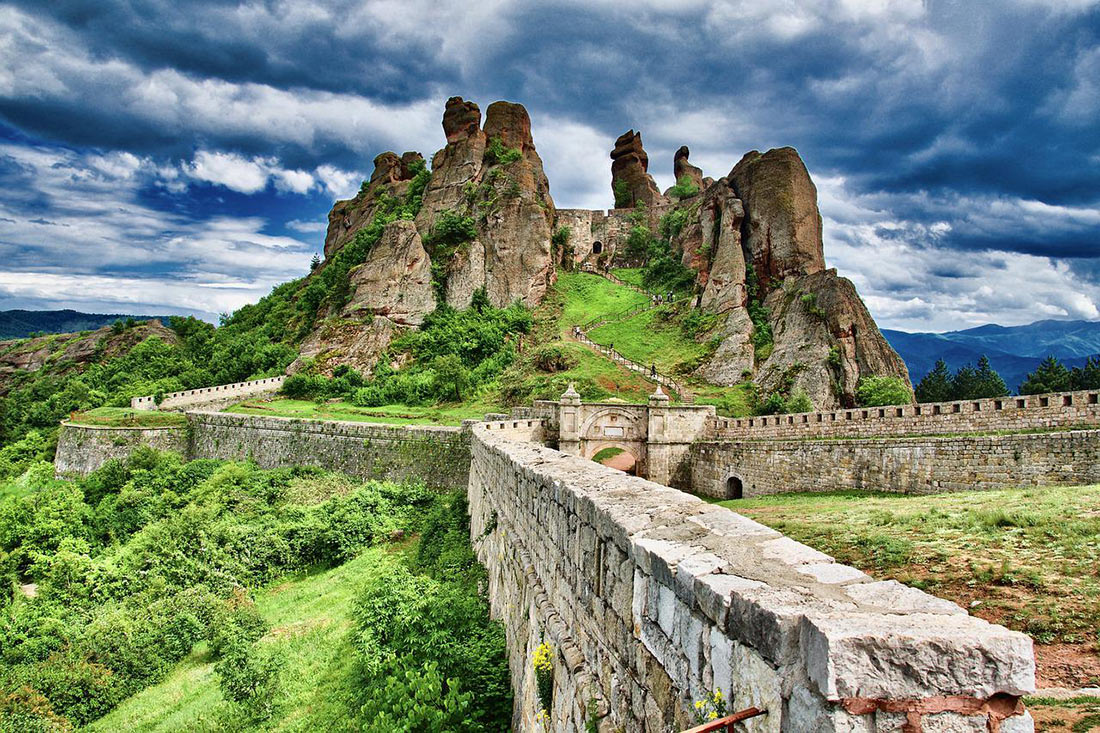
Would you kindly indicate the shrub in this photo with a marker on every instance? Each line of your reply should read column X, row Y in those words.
column 873, row 391
column 624, row 198
column 249, row 676
column 683, row 189
column 497, row 154
column 553, row 358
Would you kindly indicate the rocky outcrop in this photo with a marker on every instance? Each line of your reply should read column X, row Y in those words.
column 491, row 178
column 783, row 233
column 391, row 177
column 685, row 171
column 824, row 341
column 495, row 176
column 754, row 240
column 395, row 281
column 631, row 183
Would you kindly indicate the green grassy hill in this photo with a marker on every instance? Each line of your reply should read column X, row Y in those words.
column 310, row 620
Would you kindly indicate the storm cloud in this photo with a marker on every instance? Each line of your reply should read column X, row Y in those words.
column 188, row 151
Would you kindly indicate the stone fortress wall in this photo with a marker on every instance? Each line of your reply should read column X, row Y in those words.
column 652, row 599
column 911, row 465
column 1022, row 413
column 440, row 456
column 1028, row 440
column 82, row 449
column 223, row 395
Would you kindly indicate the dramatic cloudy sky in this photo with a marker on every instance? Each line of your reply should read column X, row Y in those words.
column 180, row 156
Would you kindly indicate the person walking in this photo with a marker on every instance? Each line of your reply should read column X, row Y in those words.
column 653, row 370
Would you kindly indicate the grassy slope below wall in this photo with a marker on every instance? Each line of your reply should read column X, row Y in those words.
column 1025, row 558
column 310, row 628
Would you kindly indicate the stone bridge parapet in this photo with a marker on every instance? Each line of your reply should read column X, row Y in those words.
column 652, row 599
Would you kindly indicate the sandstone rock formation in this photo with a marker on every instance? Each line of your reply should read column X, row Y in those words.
column 511, row 205
column 391, row 177
column 682, row 169
column 495, row 177
column 395, row 281
column 755, row 237
column 631, row 183
column 783, row 235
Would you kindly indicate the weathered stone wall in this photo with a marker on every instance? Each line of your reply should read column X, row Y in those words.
column 82, row 449
column 1027, row 412
column 911, row 465
column 223, row 394
column 652, row 598
column 440, row 456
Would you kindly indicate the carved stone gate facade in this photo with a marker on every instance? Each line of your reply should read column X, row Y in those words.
column 657, row 435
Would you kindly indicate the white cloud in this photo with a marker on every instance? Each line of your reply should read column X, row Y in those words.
column 229, row 170
column 298, row 225
column 93, row 222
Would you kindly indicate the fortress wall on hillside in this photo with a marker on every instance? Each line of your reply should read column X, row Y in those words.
column 652, row 599
column 1022, row 413
column 439, row 456
column 222, row 395
column 82, row 449
column 912, row 465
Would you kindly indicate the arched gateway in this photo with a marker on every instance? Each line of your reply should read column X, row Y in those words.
column 650, row 440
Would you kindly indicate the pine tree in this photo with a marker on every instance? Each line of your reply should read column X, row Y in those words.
column 936, row 385
column 1089, row 376
column 964, row 385
column 1049, row 376
column 315, row 262
column 990, row 383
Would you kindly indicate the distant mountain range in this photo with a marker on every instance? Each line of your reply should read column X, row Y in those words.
column 1012, row 350
column 16, row 324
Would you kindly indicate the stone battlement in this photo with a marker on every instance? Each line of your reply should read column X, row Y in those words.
column 209, row 395
column 1022, row 413
column 652, row 599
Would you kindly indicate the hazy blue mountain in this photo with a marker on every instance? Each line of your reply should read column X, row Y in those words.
column 1012, row 350
column 20, row 323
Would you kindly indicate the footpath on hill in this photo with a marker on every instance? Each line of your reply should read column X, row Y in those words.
column 598, row 332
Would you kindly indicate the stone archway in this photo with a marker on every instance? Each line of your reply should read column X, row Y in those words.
column 734, row 487
column 597, row 247
column 615, row 455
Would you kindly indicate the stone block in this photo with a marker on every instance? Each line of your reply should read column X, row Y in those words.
column 915, row 656
column 890, row 596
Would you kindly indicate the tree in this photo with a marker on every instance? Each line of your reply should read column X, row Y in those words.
column 937, row 384
column 1050, row 376
column 874, row 391
column 989, row 382
column 1087, row 377
column 451, row 377
column 315, row 262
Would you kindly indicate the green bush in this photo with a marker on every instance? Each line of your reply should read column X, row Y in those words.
column 497, row 154
column 683, row 189
column 873, row 391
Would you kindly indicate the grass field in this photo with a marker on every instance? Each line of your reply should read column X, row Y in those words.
column 310, row 622
column 648, row 338
column 1026, row 558
column 632, row 275
column 391, row 414
column 124, row 417
column 586, row 297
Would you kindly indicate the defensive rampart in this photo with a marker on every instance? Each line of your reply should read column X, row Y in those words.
column 1023, row 413
column 439, row 456
column 914, row 465
column 223, row 395
column 82, row 449
column 651, row 599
